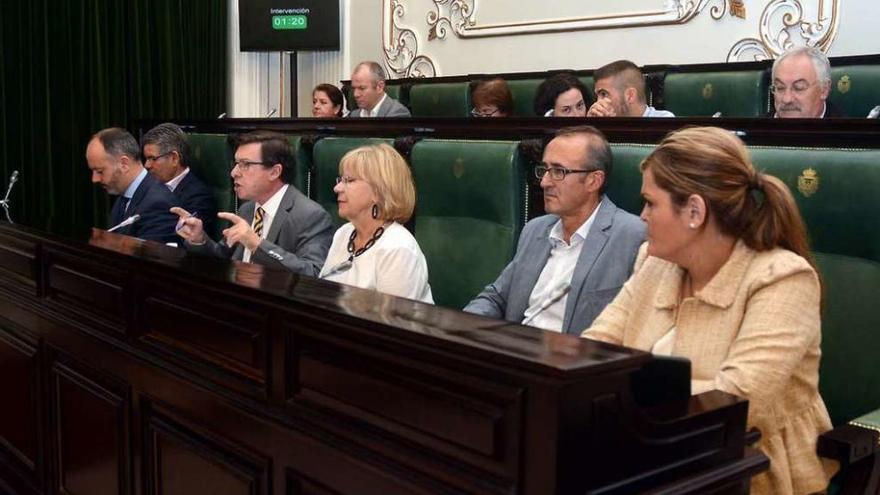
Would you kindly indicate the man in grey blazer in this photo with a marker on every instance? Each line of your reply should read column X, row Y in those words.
column 570, row 263
column 278, row 226
column 368, row 83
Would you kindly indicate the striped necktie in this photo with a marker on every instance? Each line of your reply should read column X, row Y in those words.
column 258, row 221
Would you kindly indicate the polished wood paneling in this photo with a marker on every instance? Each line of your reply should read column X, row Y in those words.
column 183, row 459
column 18, row 262
column 20, row 389
column 91, row 418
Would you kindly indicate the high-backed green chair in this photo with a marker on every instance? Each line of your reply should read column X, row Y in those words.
column 303, row 173
column 469, row 212
column 211, row 160
column 325, row 156
column 733, row 93
column 523, row 92
column 855, row 89
column 625, row 183
column 440, row 100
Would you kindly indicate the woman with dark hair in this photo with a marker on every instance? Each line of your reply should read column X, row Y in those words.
column 327, row 101
column 562, row 95
column 727, row 280
column 491, row 99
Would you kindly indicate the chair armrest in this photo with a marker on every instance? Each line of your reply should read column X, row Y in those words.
column 852, row 442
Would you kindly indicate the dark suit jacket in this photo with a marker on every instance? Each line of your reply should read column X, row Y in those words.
column 298, row 239
column 605, row 263
column 152, row 200
column 196, row 197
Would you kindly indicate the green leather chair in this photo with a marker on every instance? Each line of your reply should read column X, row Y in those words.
column 625, row 183
column 701, row 94
column 326, row 156
column 523, row 91
column 469, row 212
column 211, row 160
column 855, row 89
column 303, row 173
column 440, row 100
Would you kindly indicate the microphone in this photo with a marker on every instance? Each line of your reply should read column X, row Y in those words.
column 271, row 113
column 874, row 113
column 716, row 115
column 222, row 115
column 554, row 296
column 125, row 223
column 5, row 201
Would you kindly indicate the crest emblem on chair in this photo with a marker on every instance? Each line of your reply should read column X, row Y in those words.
column 808, row 182
column 707, row 91
column 458, row 168
column 844, row 84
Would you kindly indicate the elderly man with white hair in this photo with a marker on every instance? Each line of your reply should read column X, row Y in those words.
column 801, row 83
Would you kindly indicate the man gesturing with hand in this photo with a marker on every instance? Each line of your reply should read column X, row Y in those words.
column 278, row 225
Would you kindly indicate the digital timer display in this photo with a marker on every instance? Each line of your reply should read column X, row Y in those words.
column 290, row 22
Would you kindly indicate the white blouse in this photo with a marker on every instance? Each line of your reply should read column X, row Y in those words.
column 394, row 264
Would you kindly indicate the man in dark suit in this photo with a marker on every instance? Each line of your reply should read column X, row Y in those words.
column 570, row 263
column 166, row 156
column 113, row 156
column 278, row 226
column 368, row 85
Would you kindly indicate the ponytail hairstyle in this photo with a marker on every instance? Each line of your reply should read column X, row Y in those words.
column 746, row 204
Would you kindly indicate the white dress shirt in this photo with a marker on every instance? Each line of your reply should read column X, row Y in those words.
column 653, row 112
column 173, row 183
column 270, row 208
column 394, row 264
column 555, row 275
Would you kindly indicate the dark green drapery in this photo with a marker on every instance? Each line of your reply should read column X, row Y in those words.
column 71, row 68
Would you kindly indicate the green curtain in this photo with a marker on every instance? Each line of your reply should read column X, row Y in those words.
column 69, row 69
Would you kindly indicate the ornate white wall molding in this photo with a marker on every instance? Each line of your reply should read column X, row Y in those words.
column 460, row 16
column 788, row 23
column 400, row 45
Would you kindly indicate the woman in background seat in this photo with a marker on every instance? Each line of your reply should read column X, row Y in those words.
column 727, row 280
column 562, row 95
column 327, row 101
column 491, row 99
column 376, row 194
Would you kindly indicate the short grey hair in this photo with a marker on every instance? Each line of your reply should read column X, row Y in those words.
column 118, row 142
column 820, row 62
column 376, row 70
column 169, row 137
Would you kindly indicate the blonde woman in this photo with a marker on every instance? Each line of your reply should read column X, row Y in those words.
column 727, row 281
column 376, row 194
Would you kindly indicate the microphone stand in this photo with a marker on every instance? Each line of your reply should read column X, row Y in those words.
column 5, row 201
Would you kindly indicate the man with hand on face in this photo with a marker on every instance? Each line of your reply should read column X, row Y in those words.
column 368, row 84
column 570, row 263
column 620, row 92
column 801, row 83
column 113, row 156
column 166, row 156
column 278, row 225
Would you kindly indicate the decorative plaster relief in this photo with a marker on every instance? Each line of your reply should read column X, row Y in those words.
column 785, row 24
column 460, row 17
column 400, row 45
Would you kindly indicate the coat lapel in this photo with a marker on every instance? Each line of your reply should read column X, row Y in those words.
column 595, row 242
column 287, row 202
column 533, row 261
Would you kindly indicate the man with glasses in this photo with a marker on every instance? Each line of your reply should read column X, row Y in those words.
column 801, row 83
column 142, row 202
column 570, row 263
column 166, row 156
column 278, row 225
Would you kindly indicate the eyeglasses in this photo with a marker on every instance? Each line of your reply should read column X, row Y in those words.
column 559, row 173
column 245, row 164
column 154, row 158
column 798, row 88
column 477, row 113
column 345, row 180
